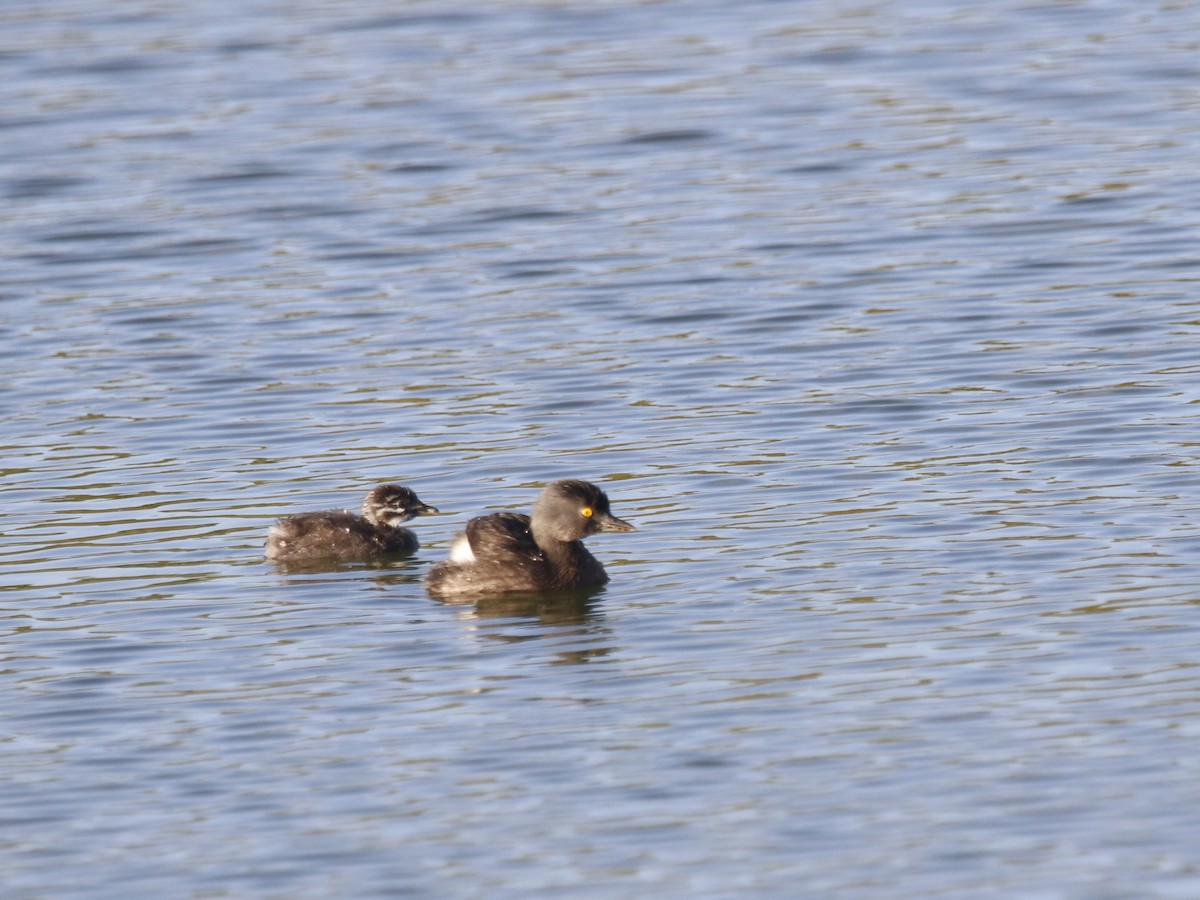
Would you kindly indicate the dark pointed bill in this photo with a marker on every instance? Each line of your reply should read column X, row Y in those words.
column 609, row 522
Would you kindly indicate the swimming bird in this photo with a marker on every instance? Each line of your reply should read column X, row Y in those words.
column 339, row 535
column 508, row 552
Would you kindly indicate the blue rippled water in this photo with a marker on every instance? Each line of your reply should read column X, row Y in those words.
column 878, row 321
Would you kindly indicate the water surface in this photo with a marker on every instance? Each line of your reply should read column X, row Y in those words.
column 880, row 323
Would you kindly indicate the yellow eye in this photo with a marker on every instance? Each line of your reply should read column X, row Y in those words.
column 586, row 512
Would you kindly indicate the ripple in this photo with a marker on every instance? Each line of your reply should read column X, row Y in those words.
column 896, row 382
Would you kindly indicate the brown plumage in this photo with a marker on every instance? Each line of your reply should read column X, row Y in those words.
column 507, row 552
column 339, row 535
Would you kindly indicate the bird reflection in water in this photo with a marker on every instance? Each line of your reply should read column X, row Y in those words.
column 507, row 619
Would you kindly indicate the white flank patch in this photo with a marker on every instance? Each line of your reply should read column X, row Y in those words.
column 460, row 550
column 275, row 541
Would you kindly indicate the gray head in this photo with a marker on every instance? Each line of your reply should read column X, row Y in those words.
column 392, row 504
column 571, row 510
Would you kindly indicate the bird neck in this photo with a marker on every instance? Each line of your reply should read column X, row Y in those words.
column 552, row 547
